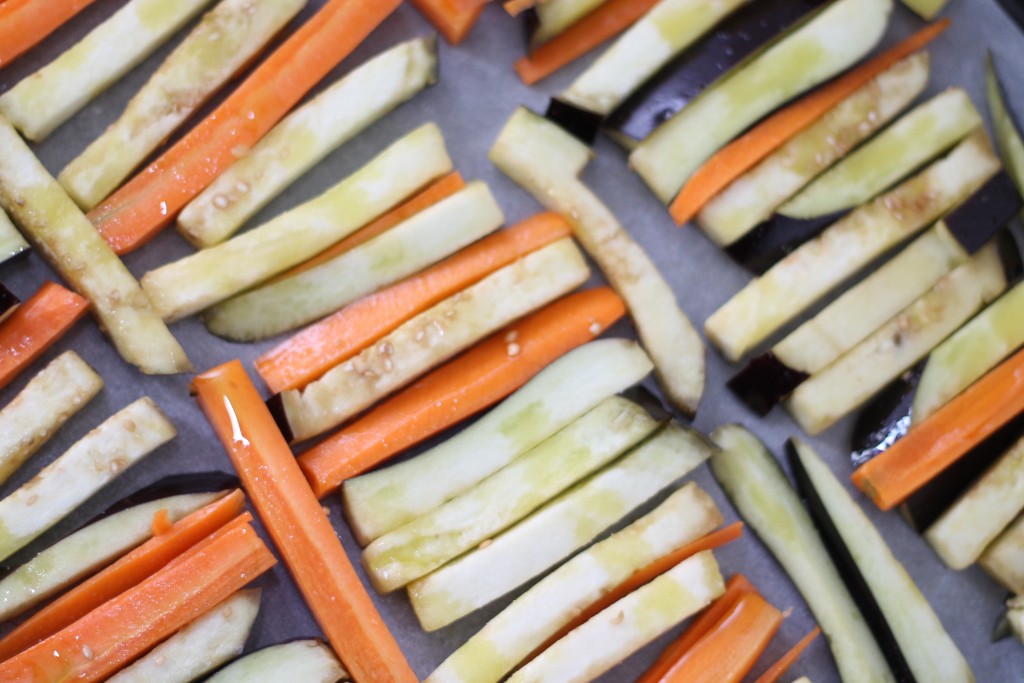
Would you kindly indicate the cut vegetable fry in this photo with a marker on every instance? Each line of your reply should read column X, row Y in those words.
column 297, row 524
column 225, row 40
column 926, row 9
column 35, row 326
column 117, row 632
column 555, row 16
column 432, row 337
column 71, row 246
column 418, row 242
column 547, row 162
column 628, row 625
column 199, row 648
column 381, row 501
column 24, row 23
column 580, row 449
column 777, row 670
column 305, row 137
column 453, row 18
column 309, row 661
column 557, row 530
column 52, row 95
column 198, row 281
column 129, row 571
column 1004, row 559
column 1015, row 616
column 756, row 485
column 1008, row 139
column 150, row 201
column 11, row 241
column 736, row 158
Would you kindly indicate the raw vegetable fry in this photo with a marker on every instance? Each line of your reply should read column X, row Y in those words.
column 628, row 625
column 432, row 337
column 556, row 531
column 24, row 23
column 70, row 245
column 757, row 486
column 198, row 281
column 453, row 18
column 132, row 569
column 154, row 197
column 509, row 495
column 776, row 671
column 556, row 16
column 226, row 39
column 298, row 526
column 11, row 241
column 945, row 437
column 547, row 162
column 52, row 95
column 927, row 9
column 418, row 242
column 35, row 326
column 309, row 661
column 305, row 357
column 516, row 7
column 329, row 120
column 1004, row 558
column 117, row 632
column 199, row 648
column 1015, row 616
column 1008, row 139
column 381, row 501
column 739, row 156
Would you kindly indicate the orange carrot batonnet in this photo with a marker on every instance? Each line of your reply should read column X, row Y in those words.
column 125, row 627
column 25, row 23
column 607, row 21
column 945, row 437
column 299, row 526
column 129, row 571
column 777, row 670
column 464, row 386
column 35, row 326
column 152, row 199
column 517, row 7
column 309, row 354
column 745, row 152
column 453, row 18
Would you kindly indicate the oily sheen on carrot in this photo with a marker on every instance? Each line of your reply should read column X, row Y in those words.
column 299, row 527
column 466, row 385
column 35, row 326
column 945, row 437
column 150, row 201
column 607, row 21
column 121, row 629
column 318, row 348
column 777, row 670
column 129, row 571
column 453, row 18
column 24, row 23
column 745, row 152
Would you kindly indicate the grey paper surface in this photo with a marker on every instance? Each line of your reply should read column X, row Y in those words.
column 477, row 92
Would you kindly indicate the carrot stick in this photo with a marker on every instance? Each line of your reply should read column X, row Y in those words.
column 129, row 571
column 607, row 21
column 300, row 529
column 453, row 18
column 149, row 202
column 779, row 668
column 945, row 437
column 315, row 350
column 35, row 326
column 517, row 7
column 24, row 23
column 118, row 631
column 477, row 379
column 745, row 152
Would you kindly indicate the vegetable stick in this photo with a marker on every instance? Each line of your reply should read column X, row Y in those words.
column 446, row 397
column 35, row 326
column 517, row 7
column 309, row 661
column 453, row 18
column 118, row 631
column 131, row 570
column 610, row 19
column 150, row 201
column 329, row 120
column 555, row 16
column 11, row 241
column 25, row 23
column 942, row 439
column 926, row 9
column 226, row 39
column 1008, row 138
column 72, row 247
column 297, row 524
column 739, row 156
column 1004, row 558
column 777, row 670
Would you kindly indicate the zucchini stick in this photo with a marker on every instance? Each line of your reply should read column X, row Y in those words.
column 1008, row 139
column 1004, row 558
column 11, row 241
column 309, row 661
column 554, row 16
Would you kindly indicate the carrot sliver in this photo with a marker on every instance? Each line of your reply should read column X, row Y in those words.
column 152, row 199
column 779, row 668
column 466, row 385
column 161, row 522
column 745, row 152
column 25, row 23
column 453, row 18
column 299, row 527
column 129, row 571
column 309, row 354
column 35, row 326
column 607, row 21
column 517, row 7
column 123, row 628
column 945, row 436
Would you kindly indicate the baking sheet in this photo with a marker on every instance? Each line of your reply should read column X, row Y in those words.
column 477, row 92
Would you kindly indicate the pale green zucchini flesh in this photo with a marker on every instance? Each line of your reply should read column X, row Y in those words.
column 554, row 16
column 308, row 661
column 1004, row 558
column 1015, row 616
column 1008, row 139
column 926, row 9
column 11, row 241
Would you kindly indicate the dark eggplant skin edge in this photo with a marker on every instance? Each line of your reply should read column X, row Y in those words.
column 275, row 404
column 980, row 216
column 776, row 238
column 764, row 382
column 647, row 400
column 849, row 571
column 582, row 124
column 8, row 302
